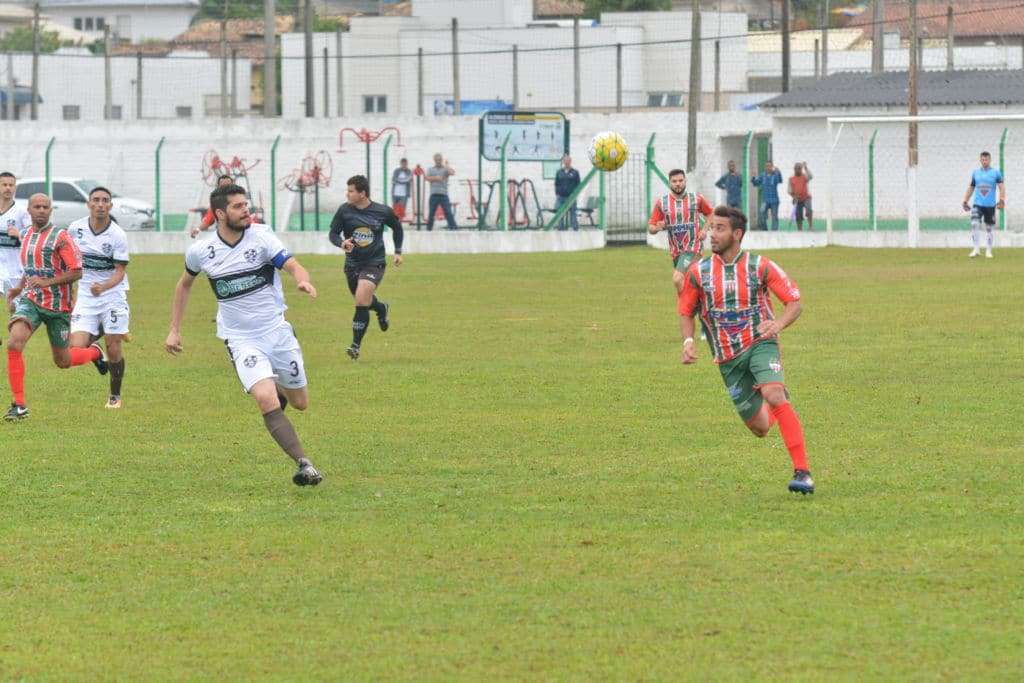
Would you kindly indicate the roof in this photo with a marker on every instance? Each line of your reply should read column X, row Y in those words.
column 118, row 3
column 934, row 88
column 553, row 9
column 244, row 36
column 971, row 18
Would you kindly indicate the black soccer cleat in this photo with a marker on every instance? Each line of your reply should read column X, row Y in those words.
column 16, row 413
column 353, row 352
column 801, row 482
column 101, row 362
column 385, row 320
column 307, row 475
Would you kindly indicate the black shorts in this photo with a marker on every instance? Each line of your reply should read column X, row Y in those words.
column 371, row 272
column 986, row 213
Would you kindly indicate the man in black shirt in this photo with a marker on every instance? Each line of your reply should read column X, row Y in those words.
column 358, row 228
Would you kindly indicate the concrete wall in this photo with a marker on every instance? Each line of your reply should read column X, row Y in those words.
column 154, row 22
column 492, row 13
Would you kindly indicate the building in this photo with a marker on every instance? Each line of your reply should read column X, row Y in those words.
column 975, row 23
column 129, row 20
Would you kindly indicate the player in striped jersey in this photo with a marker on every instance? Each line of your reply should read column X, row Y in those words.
column 241, row 260
column 683, row 214
column 731, row 291
column 51, row 262
column 102, row 305
column 14, row 221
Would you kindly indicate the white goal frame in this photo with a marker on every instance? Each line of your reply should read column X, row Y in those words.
column 913, row 218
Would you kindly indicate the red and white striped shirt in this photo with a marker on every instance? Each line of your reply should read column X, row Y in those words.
column 684, row 221
column 49, row 253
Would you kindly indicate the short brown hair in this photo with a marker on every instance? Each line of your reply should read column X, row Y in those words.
column 737, row 219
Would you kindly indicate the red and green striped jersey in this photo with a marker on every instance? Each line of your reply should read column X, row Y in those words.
column 733, row 299
column 49, row 253
column 684, row 221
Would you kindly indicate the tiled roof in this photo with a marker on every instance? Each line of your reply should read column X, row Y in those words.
column 971, row 18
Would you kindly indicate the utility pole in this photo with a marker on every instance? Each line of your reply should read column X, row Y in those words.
column 949, row 38
column 785, row 45
column 878, row 38
column 824, row 41
column 456, row 90
column 138, row 84
column 269, row 59
column 224, row 62
column 912, row 218
column 339, row 76
column 108, row 87
column 307, row 29
column 576, row 63
column 33, row 105
column 515, row 77
column 694, row 99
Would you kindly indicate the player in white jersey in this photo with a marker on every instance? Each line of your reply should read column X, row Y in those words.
column 241, row 261
column 14, row 221
column 101, row 308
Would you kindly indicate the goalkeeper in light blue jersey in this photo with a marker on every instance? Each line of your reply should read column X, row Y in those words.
column 984, row 183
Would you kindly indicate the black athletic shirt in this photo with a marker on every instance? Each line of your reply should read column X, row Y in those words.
column 366, row 229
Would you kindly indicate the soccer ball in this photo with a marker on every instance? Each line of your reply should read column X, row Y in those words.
column 608, row 151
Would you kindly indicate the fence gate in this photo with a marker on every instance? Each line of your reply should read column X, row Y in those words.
column 624, row 194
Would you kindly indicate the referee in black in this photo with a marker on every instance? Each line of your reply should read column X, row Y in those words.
column 358, row 228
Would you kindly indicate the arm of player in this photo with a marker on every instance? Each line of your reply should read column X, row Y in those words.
column 967, row 196
column 689, row 300
column 338, row 235
column 14, row 292
column 301, row 275
column 789, row 294
column 657, row 221
column 64, row 279
column 114, row 280
column 687, row 328
column 398, row 235
column 181, row 293
column 1002, row 193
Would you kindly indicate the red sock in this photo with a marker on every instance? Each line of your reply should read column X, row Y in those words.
column 792, row 434
column 16, row 375
column 83, row 356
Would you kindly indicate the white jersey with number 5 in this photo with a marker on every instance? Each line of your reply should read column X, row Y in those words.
column 101, row 252
column 250, row 302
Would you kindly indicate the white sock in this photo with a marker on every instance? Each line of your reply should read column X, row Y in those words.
column 974, row 233
column 988, row 237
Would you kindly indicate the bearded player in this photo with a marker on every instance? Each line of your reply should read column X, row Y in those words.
column 682, row 214
column 731, row 291
column 241, row 260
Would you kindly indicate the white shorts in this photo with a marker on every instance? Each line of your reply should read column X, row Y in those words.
column 91, row 315
column 274, row 356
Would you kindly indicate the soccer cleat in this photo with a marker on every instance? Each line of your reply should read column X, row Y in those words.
column 974, row 252
column 114, row 401
column 353, row 352
column 307, row 475
column 16, row 413
column 385, row 320
column 801, row 482
column 101, row 362
column 988, row 253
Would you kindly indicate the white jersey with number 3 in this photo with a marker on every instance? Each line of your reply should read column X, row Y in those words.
column 250, row 301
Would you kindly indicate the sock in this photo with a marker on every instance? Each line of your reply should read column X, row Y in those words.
column 116, row 375
column 16, row 375
column 792, row 434
column 974, row 233
column 378, row 307
column 284, row 434
column 988, row 237
column 359, row 323
column 83, row 356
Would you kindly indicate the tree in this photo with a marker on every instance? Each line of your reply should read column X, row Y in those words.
column 593, row 8
column 19, row 39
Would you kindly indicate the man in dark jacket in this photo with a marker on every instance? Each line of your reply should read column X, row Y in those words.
column 732, row 183
column 566, row 181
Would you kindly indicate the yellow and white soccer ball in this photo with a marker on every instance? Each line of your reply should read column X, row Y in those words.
column 608, row 151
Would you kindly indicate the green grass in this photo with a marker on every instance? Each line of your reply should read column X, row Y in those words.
column 522, row 482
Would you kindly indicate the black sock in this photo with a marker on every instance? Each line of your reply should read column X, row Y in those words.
column 359, row 322
column 116, row 375
column 282, row 399
column 378, row 307
column 284, row 434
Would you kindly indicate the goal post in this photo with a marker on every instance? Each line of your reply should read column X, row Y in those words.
column 870, row 185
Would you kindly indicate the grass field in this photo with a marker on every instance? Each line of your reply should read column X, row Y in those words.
column 522, row 483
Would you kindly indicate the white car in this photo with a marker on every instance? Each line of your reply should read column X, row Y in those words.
column 69, row 198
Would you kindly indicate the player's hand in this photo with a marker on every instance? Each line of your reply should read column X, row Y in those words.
column 173, row 343
column 35, row 282
column 13, row 232
column 689, row 352
column 96, row 289
column 1001, row 204
column 193, row 232
column 967, row 207
column 348, row 245
column 769, row 329
column 659, row 226
column 397, row 260
column 308, row 288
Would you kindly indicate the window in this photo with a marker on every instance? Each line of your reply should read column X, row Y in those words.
column 66, row 192
column 183, row 112
column 124, row 26
column 375, row 104
column 100, row 23
column 88, row 23
column 72, row 112
column 116, row 112
column 664, row 99
column 26, row 190
column 78, row 23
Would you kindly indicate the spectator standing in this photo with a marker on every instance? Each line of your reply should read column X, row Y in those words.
column 799, row 190
column 437, row 176
column 732, row 183
column 566, row 181
column 769, row 182
column 401, row 188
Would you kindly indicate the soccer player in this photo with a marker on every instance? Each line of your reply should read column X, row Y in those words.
column 683, row 214
column 984, row 180
column 14, row 221
column 51, row 263
column 209, row 219
column 241, row 261
column 731, row 291
column 102, row 305
column 358, row 228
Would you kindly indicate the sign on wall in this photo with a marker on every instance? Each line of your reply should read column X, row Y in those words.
column 533, row 135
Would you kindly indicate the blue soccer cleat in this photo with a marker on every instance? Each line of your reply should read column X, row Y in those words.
column 801, row 482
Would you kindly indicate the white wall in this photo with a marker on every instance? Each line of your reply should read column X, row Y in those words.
column 769, row 64
column 153, row 22
column 74, row 77
column 475, row 12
